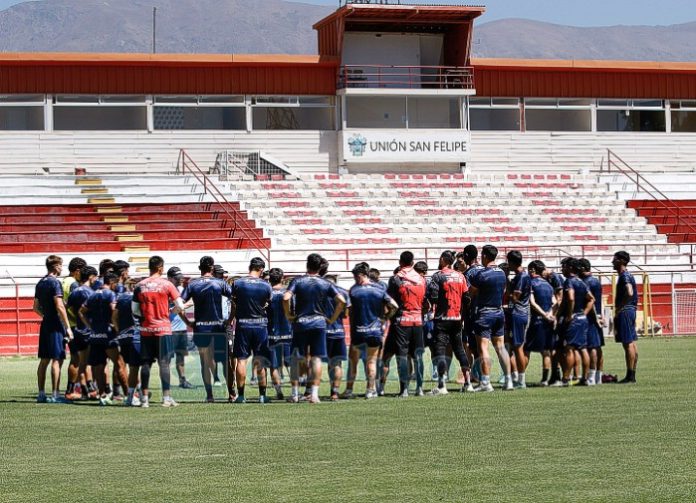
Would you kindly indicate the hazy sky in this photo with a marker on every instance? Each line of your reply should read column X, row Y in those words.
column 571, row 12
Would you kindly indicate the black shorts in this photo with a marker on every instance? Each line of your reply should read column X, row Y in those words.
column 156, row 348
column 446, row 333
column 407, row 340
column 180, row 342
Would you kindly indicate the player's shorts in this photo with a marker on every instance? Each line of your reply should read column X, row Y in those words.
column 575, row 334
column 313, row 340
column 625, row 326
column 336, row 349
column 595, row 336
column 180, row 342
column 519, row 322
column 79, row 343
column 489, row 323
column 280, row 355
column 97, row 353
column 446, row 333
column 156, row 348
column 540, row 336
column 248, row 340
column 220, row 347
column 204, row 336
column 51, row 343
column 130, row 351
column 407, row 340
column 369, row 339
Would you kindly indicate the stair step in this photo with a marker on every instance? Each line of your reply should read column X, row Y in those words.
column 143, row 259
column 130, row 237
column 95, row 190
column 122, row 228
column 136, row 249
column 110, row 209
column 101, row 200
column 88, row 181
column 114, row 220
column 142, row 269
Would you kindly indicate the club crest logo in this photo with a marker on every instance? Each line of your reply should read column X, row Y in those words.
column 357, row 144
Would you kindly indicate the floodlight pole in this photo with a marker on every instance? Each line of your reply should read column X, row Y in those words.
column 154, row 30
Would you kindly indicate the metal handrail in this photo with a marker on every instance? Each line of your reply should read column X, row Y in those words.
column 185, row 162
column 626, row 169
column 370, row 76
column 17, row 326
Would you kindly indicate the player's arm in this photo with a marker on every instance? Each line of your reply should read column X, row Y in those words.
column 287, row 297
column 83, row 316
column 63, row 314
column 114, row 319
column 340, row 307
column 589, row 307
column 390, row 308
column 37, row 308
column 537, row 308
column 570, row 304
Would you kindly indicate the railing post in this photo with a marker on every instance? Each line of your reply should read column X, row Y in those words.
column 19, row 344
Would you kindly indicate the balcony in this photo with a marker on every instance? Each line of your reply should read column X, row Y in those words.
column 406, row 77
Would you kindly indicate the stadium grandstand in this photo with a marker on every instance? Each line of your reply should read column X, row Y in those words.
column 392, row 138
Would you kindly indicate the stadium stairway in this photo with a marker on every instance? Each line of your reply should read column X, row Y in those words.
column 676, row 218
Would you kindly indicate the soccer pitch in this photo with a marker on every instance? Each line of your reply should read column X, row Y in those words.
column 608, row 443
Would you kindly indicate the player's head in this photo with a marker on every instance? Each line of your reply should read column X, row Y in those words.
column 205, row 264
column 570, row 266
column 219, row 271
column 585, row 266
column 421, row 268
column 324, row 268
column 106, row 265
column 620, row 260
column 514, row 258
column 275, row 276
column 332, row 278
column 313, row 263
column 488, row 254
column 54, row 264
column 470, row 254
column 505, row 267
column 130, row 284
column 110, row 281
column 175, row 275
column 406, row 259
column 75, row 265
column 446, row 259
column 372, row 273
column 360, row 271
column 257, row 265
column 156, row 264
column 121, row 268
column 536, row 268
column 88, row 275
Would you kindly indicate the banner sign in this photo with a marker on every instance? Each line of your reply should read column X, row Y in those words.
column 406, row 146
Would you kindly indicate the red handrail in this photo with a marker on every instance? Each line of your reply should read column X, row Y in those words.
column 377, row 76
column 626, row 169
column 185, row 162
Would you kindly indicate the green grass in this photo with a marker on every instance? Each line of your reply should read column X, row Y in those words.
column 602, row 444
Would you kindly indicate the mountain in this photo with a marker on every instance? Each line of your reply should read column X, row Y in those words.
column 185, row 26
column 522, row 38
column 285, row 27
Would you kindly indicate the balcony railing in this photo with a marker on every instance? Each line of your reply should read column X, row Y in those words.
column 405, row 77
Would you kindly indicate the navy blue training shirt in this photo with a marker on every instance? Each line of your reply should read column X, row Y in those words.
column 127, row 324
column 543, row 294
column 367, row 309
column 278, row 325
column 207, row 293
column 621, row 296
column 76, row 300
column 522, row 283
column 490, row 283
column 99, row 311
column 575, row 283
column 310, row 293
column 595, row 287
column 47, row 289
column 251, row 297
column 336, row 330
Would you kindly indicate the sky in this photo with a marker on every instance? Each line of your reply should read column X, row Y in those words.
column 568, row 12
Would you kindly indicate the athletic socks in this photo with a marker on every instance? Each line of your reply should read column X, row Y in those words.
column 278, row 388
column 403, row 385
column 598, row 377
column 240, row 391
column 521, row 378
column 334, row 389
column 262, row 390
column 296, row 391
column 515, row 377
column 209, row 391
column 131, row 392
column 545, row 375
column 315, row 392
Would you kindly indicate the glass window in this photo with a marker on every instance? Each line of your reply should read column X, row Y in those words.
column 684, row 121
column 475, row 100
column 99, row 118
column 631, row 120
column 284, row 100
column 614, row 103
column 574, row 102
column 434, row 113
column 543, row 102
column 222, row 99
column 23, row 98
column 505, row 101
column 122, row 99
column 317, row 100
column 494, row 119
column 187, row 117
column 311, row 118
column 176, row 99
column 29, row 118
column 376, row 112
column 77, row 99
column 555, row 119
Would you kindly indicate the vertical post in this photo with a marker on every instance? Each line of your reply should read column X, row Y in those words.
column 674, row 306
column 154, row 30
column 17, row 324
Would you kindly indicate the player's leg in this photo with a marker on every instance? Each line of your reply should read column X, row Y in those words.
column 401, row 341
column 119, row 367
column 164, row 360
column 353, row 358
column 262, row 361
column 457, row 344
column 483, row 340
column 439, row 357
column 276, row 364
column 372, row 350
column 518, row 333
column 242, row 352
column 317, row 351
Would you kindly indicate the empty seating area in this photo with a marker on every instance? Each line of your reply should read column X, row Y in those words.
column 674, row 217
column 435, row 211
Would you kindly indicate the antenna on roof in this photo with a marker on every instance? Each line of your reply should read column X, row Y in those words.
column 382, row 2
